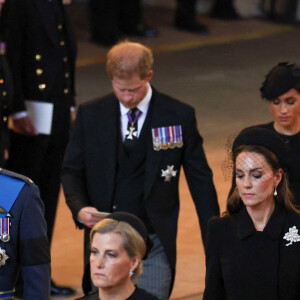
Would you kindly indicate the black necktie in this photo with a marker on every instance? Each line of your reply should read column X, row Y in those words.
column 132, row 129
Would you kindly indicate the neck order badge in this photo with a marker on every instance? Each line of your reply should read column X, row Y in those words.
column 133, row 116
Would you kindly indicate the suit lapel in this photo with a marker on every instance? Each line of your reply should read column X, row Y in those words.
column 153, row 157
column 107, row 134
column 48, row 19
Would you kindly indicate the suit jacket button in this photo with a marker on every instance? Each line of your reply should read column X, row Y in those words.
column 38, row 57
column 4, row 93
column 39, row 72
column 59, row 27
column 62, row 43
column 115, row 207
column 66, row 91
column 42, row 86
column 4, row 119
column 1, row 80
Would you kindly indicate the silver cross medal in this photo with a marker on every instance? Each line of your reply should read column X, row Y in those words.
column 131, row 133
column 3, row 257
column 168, row 173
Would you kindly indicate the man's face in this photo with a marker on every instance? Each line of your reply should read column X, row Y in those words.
column 286, row 109
column 131, row 91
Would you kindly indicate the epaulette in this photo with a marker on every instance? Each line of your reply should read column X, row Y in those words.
column 11, row 185
column 16, row 175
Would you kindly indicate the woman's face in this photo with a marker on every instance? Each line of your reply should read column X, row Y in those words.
column 255, row 179
column 286, row 109
column 110, row 263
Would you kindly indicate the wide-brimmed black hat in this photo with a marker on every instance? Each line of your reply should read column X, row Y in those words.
column 279, row 80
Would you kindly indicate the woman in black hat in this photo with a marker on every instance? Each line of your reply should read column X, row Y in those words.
column 118, row 244
column 253, row 251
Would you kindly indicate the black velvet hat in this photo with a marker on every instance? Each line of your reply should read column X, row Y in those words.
column 279, row 80
column 136, row 223
column 266, row 138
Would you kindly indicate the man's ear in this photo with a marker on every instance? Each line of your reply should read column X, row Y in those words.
column 149, row 75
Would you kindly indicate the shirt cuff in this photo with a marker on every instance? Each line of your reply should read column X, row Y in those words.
column 19, row 115
column 79, row 220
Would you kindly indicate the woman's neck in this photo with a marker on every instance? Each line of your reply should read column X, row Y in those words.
column 117, row 292
column 261, row 215
column 291, row 130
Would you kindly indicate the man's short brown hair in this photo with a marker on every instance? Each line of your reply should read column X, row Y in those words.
column 127, row 59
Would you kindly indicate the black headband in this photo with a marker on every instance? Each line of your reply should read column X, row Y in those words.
column 136, row 223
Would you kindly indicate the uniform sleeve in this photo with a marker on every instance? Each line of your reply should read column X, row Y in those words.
column 73, row 170
column 34, row 246
column 214, row 283
column 199, row 175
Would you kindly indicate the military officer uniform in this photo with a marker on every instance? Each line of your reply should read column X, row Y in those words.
column 41, row 53
column 23, row 238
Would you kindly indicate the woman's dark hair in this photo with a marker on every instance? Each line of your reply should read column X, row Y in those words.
column 284, row 195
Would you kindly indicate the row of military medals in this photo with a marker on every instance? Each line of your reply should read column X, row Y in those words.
column 168, row 137
column 4, row 237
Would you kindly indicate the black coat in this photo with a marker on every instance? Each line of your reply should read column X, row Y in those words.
column 28, row 247
column 138, row 294
column 89, row 169
column 242, row 263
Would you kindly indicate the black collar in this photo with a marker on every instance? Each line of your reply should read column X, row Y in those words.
column 273, row 229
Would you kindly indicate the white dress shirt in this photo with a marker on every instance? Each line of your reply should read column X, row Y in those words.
column 142, row 106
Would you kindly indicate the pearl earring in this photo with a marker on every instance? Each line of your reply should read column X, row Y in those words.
column 275, row 191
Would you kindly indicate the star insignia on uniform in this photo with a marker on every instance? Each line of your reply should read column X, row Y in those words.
column 3, row 257
column 168, row 173
column 292, row 236
column 131, row 133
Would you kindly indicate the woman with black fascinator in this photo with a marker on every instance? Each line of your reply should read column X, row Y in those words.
column 253, row 251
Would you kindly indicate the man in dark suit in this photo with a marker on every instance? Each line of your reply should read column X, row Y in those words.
column 41, row 53
column 125, row 154
column 23, row 238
